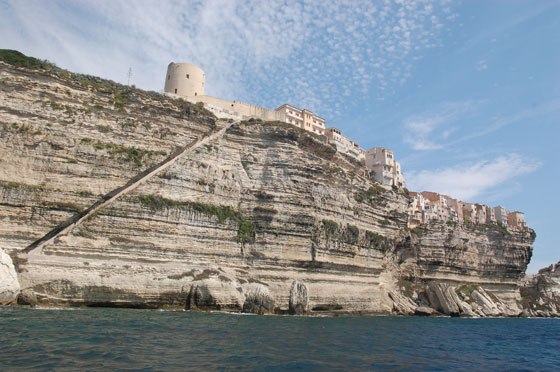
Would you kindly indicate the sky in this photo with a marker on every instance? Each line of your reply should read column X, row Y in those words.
column 466, row 93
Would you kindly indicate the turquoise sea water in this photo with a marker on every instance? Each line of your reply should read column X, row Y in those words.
column 96, row 339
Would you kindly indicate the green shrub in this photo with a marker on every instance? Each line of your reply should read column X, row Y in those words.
column 104, row 128
column 375, row 240
column 129, row 153
column 330, row 227
column 56, row 106
column 21, row 186
column 246, row 232
column 120, row 100
column 533, row 234
column 18, row 59
column 466, row 289
column 502, row 228
column 352, row 234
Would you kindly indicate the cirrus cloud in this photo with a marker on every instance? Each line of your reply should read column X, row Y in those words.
column 469, row 180
column 308, row 53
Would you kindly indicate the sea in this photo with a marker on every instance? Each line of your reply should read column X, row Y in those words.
column 108, row 339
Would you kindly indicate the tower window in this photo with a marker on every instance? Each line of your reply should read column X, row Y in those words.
column 168, row 77
column 195, row 93
column 187, row 76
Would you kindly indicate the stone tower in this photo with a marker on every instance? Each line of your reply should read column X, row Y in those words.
column 184, row 79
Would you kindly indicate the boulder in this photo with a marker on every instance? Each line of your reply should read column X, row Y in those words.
column 299, row 299
column 258, row 300
column 466, row 309
column 27, row 297
column 215, row 293
column 9, row 284
column 424, row 311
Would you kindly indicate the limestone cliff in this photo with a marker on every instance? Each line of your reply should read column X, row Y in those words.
column 540, row 293
column 266, row 218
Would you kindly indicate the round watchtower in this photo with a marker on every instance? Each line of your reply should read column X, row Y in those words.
column 184, row 79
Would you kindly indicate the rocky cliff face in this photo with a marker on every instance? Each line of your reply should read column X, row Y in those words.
column 266, row 218
column 540, row 293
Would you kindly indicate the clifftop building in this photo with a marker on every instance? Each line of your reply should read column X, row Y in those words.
column 344, row 144
column 386, row 170
column 187, row 80
column 184, row 79
column 303, row 119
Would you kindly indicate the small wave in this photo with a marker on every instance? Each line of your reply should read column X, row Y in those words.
column 230, row 313
column 54, row 308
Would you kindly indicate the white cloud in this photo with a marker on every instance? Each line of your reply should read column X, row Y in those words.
column 481, row 65
column 431, row 129
column 265, row 52
column 469, row 180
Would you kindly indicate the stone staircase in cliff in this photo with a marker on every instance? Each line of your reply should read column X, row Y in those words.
column 107, row 199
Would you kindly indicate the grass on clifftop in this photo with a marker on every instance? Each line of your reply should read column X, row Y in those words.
column 18, row 59
column 246, row 229
column 120, row 96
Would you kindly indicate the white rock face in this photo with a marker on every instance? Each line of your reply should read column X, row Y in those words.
column 9, row 285
column 229, row 226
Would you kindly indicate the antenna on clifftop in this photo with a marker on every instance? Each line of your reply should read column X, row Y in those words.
column 129, row 74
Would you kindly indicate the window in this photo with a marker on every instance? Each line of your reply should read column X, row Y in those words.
column 195, row 93
column 168, row 77
column 187, row 76
column 175, row 90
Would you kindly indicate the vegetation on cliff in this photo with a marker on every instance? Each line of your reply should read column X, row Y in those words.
column 246, row 229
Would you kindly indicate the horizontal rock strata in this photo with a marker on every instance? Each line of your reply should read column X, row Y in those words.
column 266, row 218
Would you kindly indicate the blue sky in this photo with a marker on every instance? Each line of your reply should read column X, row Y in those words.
column 467, row 93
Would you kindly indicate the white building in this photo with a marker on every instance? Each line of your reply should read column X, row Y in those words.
column 501, row 215
column 303, row 119
column 416, row 209
column 387, row 171
column 344, row 144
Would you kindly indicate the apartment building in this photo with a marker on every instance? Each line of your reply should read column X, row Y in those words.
column 469, row 212
column 517, row 219
column 387, row 171
column 344, row 144
column 455, row 208
column 490, row 215
column 501, row 215
column 430, row 206
column 416, row 209
column 303, row 119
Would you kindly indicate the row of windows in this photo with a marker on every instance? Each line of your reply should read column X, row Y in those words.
column 188, row 77
column 169, row 76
